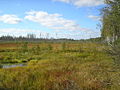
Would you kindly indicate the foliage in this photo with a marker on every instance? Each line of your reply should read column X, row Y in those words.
column 64, row 46
column 111, row 27
column 0, row 65
column 111, row 18
column 50, row 47
column 24, row 47
column 114, row 51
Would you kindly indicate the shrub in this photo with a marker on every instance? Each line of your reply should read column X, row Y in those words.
column 25, row 47
column 1, row 66
column 64, row 46
column 114, row 51
column 50, row 47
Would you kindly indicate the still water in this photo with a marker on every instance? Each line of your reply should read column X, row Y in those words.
column 13, row 65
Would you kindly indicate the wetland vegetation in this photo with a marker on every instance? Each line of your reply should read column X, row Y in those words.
column 58, row 66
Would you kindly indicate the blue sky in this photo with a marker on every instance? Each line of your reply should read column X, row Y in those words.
column 76, row 19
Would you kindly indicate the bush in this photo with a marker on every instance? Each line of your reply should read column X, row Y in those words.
column 114, row 51
column 35, row 50
column 64, row 46
column 33, row 62
column 25, row 47
column 50, row 47
column 1, row 66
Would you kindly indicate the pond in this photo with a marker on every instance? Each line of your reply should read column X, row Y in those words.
column 13, row 65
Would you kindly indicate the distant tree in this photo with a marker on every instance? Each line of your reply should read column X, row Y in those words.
column 31, row 36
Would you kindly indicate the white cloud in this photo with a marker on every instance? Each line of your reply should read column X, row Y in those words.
column 52, row 21
column 94, row 17
column 64, row 27
column 80, row 3
column 10, row 19
column 66, row 1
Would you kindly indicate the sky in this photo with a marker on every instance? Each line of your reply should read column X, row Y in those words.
column 72, row 19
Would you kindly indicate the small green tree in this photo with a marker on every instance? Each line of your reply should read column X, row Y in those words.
column 63, row 46
column 1, row 66
column 25, row 47
column 50, row 47
column 36, row 49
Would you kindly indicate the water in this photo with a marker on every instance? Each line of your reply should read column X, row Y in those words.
column 13, row 65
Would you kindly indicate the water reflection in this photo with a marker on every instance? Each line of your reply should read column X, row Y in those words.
column 12, row 65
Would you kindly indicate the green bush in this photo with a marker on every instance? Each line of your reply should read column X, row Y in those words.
column 114, row 51
column 50, row 47
column 1, row 66
column 24, row 47
column 64, row 46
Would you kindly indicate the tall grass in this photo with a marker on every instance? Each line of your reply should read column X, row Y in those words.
column 82, row 66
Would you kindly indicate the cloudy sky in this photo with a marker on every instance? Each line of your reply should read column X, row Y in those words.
column 76, row 19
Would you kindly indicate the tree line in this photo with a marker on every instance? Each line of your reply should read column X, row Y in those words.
column 31, row 37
